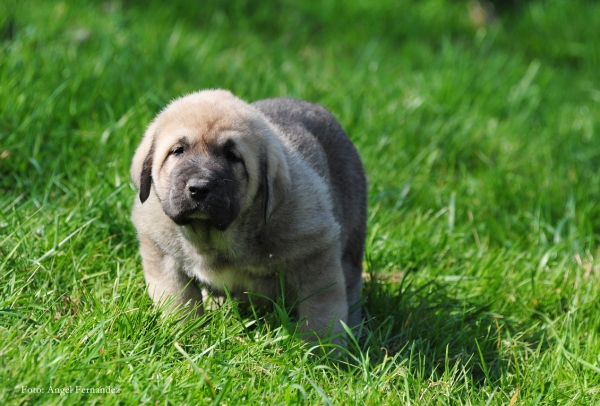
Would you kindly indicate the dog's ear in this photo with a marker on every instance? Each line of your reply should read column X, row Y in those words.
column 141, row 166
column 275, row 176
column 146, row 175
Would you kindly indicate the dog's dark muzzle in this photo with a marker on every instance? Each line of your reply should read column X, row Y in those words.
column 200, row 195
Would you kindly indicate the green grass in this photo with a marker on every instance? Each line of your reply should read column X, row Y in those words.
column 482, row 148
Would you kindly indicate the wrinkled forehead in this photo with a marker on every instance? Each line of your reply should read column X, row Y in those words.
column 202, row 114
column 204, row 122
column 201, row 120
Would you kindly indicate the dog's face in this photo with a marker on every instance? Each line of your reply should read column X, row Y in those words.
column 200, row 181
column 208, row 159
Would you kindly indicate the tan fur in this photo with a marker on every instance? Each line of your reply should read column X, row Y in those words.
column 286, row 208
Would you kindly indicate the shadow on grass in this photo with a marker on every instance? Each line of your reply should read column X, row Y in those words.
column 435, row 328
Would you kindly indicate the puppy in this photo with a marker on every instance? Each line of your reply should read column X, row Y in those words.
column 232, row 194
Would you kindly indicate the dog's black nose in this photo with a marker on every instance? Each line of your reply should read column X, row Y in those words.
column 198, row 189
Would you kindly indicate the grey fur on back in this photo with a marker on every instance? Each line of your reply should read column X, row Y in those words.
column 301, row 123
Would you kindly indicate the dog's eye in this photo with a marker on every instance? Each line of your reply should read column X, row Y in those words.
column 177, row 150
column 232, row 156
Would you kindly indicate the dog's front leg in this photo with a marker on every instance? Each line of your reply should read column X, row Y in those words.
column 166, row 282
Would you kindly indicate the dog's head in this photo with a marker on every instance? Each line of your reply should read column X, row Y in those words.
column 210, row 157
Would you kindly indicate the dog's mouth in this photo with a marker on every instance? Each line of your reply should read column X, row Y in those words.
column 219, row 214
column 185, row 219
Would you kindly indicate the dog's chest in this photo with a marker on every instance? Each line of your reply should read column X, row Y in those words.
column 220, row 275
column 203, row 258
column 228, row 279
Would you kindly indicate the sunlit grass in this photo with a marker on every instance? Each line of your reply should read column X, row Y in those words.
column 481, row 147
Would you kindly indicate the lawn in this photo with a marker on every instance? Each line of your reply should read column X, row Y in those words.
column 482, row 148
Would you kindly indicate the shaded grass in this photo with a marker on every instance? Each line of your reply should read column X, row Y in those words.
column 481, row 148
